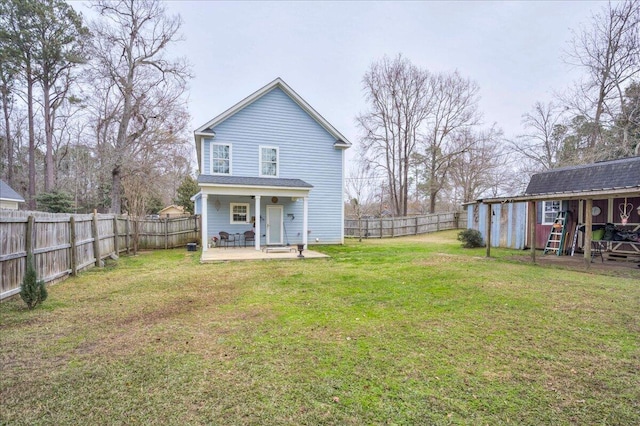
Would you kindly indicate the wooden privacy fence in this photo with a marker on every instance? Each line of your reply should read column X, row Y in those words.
column 389, row 227
column 64, row 244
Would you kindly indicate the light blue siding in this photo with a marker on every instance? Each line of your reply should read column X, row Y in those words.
column 306, row 152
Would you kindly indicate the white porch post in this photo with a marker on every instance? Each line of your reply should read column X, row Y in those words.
column 257, row 230
column 205, row 238
column 305, row 220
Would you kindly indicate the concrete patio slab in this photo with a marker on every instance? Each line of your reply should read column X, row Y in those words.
column 221, row 254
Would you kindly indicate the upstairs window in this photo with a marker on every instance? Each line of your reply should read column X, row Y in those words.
column 550, row 210
column 220, row 159
column 239, row 212
column 268, row 161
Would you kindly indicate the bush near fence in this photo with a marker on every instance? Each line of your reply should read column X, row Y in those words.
column 389, row 227
column 64, row 244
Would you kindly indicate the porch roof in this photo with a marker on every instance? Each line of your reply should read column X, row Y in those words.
column 245, row 185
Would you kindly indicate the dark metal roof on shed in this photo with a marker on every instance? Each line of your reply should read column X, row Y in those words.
column 253, row 181
column 607, row 175
column 7, row 193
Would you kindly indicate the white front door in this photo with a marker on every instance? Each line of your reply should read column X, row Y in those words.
column 274, row 225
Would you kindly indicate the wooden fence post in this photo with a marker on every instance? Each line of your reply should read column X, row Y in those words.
column 96, row 238
column 195, row 221
column 29, row 237
column 416, row 225
column 116, row 235
column 393, row 227
column 72, row 241
column 166, row 233
column 127, row 232
column 366, row 231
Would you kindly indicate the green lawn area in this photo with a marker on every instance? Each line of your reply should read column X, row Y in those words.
column 406, row 331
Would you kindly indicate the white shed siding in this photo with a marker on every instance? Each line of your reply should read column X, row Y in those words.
column 306, row 152
column 8, row 205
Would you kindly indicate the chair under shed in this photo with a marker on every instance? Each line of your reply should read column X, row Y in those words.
column 249, row 236
column 226, row 239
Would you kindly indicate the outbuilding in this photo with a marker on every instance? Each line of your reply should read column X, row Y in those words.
column 591, row 197
column 9, row 199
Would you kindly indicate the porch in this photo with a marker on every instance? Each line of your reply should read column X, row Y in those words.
column 267, row 206
column 235, row 254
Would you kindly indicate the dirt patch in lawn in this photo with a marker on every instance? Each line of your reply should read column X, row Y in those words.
column 577, row 263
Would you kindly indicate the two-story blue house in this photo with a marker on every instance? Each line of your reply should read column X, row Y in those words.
column 273, row 165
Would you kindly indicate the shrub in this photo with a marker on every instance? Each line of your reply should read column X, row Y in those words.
column 32, row 290
column 471, row 238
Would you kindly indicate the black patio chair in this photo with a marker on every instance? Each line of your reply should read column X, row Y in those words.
column 226, row 239
column 249, row 236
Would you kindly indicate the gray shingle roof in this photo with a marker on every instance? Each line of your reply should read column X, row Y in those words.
column 253, row 181
column 606, row 175
column 7, row 193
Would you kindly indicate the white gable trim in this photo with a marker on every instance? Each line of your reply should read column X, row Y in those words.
column 277, row 83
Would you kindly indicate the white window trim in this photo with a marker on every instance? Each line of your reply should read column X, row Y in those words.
column 211, row 145
column 277, row 160
column 232, row 205
column 544, row 211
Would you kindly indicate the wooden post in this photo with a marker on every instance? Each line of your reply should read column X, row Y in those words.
column 380, row 226
column 116, row 235
column 416, row 225
column 96, row 238
column 393, row 226
column 127, row 232
column 366, row 231
column 72, row 241
column 29, row 235
column 588, row 221
column 166, row 233
column 533, row 219
column 438, row 222
column 195, row 221
column 488, row 233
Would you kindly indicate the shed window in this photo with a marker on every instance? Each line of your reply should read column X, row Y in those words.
column 220, row 159
column 550, row 210
column 268, row 161
column 239, row 212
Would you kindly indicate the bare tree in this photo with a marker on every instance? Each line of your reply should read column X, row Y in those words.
column 130, row 43
column 360, row 190
column 454, row 108
column 609, row 52
column 397, row 95
column 542, row 144
column 481, row 168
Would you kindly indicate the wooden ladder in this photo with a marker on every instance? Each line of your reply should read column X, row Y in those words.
column 555, row 242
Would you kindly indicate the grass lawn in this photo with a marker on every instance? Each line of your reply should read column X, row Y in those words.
column 406, row 331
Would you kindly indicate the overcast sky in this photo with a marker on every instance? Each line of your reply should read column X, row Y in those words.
column 513, row 50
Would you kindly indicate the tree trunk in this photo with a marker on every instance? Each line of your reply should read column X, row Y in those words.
column 31, row 203
column 7, row 134
column 432, row 200
column 49, row 182
column 116, row 190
